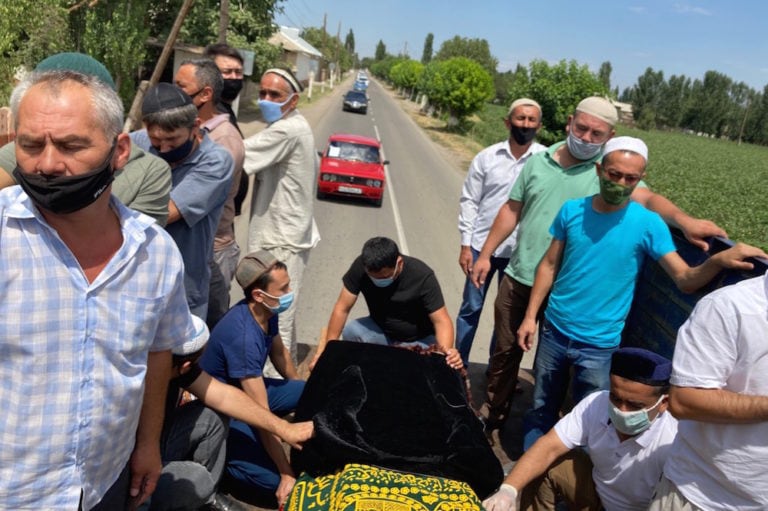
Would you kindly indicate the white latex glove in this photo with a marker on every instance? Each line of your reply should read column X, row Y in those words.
column 505, row 499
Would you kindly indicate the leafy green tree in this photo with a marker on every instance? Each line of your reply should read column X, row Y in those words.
column 474, row 49
column 674, row 101
column 381, row 51
column 383, row 68
column 426, row 54
column 459, row 85
column 349, row 42
column 406, row 74
column 645, row 98
column 558, row 89
column 605, row 74
column 710, row 102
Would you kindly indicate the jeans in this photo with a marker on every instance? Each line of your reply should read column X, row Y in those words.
column 248, row 463
column 472, row 306
column 555, row 356
column 193, row 452
column 366, row 330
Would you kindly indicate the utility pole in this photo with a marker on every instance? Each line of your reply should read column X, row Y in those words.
column 325, row 45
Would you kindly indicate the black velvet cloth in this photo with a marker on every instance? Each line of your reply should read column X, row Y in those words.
column 396, row 409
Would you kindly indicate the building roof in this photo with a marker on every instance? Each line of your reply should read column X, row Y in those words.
column 289, row 39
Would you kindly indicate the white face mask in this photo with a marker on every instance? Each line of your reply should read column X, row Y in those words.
column 582, row 150
column 632, row 423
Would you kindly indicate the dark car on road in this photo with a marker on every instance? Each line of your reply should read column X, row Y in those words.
column 351, row 166
column 355, row 101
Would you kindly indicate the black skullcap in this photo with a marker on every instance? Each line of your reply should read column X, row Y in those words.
column 164, row 96
column 642, row 366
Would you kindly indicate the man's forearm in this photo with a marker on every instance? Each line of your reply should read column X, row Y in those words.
column 503, row 225
column 717, row 405
column 155, row 389
column 536, row 460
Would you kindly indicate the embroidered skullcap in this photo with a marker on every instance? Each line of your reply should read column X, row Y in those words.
column 600, row 108
column 253, row 266
column 642, row 366
column 523, row 102
column 79, row 62
column 287, row 76
column 196, row 342
column 164, row 96
column 626, row 144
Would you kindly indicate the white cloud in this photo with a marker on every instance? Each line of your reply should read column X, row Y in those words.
column 637, row 9
column 690, row 9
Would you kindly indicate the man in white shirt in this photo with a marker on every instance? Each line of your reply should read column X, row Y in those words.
column 720, row 396
column 486, row 187
column 625, row 432
column 282, row 156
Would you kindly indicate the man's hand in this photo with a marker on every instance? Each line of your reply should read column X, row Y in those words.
column 696, row 230
column 734, row 257
column 480, row 271
column 465, row 259
column 145, row 466
column 505, row 499
column 453, row 359
column 297, row 433
column 526, row 334
column 287, row 483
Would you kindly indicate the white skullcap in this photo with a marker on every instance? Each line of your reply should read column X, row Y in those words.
column 196, row 341
column 523, row 102
column 600, row 108
column 626, row 144
column 286, row 75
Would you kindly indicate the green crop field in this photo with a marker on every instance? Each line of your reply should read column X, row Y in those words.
column 714, row 179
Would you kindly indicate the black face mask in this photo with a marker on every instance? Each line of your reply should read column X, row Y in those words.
column 522, row 135
column 177, row 154
column 66, row 194
column 232, row 87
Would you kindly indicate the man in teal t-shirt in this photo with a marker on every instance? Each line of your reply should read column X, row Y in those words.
column 597, row 251
column 565, row 171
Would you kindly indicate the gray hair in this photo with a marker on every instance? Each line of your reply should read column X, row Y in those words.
column 172, row 118
column 104, row 99
column 207, row 74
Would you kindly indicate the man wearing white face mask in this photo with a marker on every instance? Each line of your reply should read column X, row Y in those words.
column 564, row 171
column 284, row 161
column 404, row 300
column 626, row 433
column 240, row 344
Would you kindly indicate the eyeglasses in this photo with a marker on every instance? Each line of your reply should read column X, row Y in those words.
column 616, row 176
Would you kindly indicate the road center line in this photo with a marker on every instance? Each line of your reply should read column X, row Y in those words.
column 391, row 193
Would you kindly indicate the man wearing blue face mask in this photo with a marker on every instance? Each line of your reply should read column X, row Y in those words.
column 404, row 300
column 608, row 452
column 284, row 161
column 201, row 174
column 237, row 351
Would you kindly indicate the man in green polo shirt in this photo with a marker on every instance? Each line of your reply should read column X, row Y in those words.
column 564, row 171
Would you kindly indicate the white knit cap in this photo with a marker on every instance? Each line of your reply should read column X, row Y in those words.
column 626, row 144
column 600, row 108
column 197, row 340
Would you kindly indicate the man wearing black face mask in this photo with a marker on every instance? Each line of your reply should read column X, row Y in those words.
column 201, row 174
column 90, row 357
column 489, row 178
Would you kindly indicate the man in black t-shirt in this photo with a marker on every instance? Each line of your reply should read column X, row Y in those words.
column 404, row 300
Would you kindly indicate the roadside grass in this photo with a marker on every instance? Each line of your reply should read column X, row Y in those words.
column 707, row 178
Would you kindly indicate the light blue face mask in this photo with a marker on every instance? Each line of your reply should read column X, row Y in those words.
column 272, row 111
column 631, row 423
column 284, row 302
column 582, row 150
column 385, row 282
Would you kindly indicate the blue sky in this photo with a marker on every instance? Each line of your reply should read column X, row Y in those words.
column 677, row 37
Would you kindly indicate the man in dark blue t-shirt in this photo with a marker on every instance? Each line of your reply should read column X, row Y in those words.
column 236, row 353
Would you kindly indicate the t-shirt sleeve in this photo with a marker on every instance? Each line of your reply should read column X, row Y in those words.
column 8, row 158
column 353, row 278
column 432, row 296
column 658, row 239
column 245, row 351
column 558, row 227
column 517, row 192
column 705, row 351
column 154, row 192
column 573, row 429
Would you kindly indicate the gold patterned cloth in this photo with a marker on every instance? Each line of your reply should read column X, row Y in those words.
column 368, row 488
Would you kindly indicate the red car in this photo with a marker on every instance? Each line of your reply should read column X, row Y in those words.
column 351, row 166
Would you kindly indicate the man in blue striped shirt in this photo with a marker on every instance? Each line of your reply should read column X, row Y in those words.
column 91, row 303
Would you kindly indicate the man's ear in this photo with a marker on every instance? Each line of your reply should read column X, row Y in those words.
column 598, row 167
column 122, row 151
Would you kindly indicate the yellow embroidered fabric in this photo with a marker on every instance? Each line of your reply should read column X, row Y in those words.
column 368, row 488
